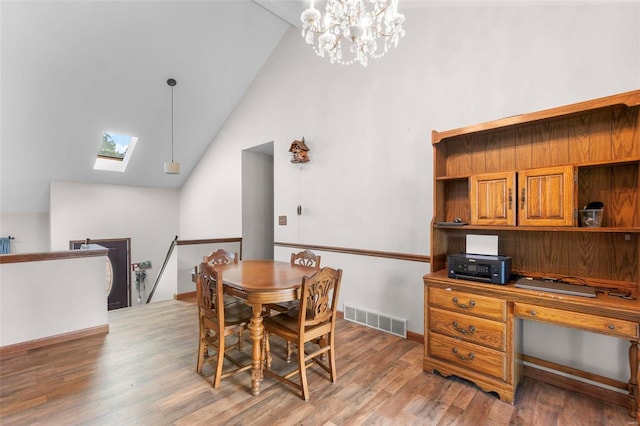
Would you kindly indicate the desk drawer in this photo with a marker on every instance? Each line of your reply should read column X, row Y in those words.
column 468, row 303
column 472, row 329
column 468, row 355
column 595, row 323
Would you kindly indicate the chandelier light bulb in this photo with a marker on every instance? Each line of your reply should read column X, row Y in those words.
column 370, row 27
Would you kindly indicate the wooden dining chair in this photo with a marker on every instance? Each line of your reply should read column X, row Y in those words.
column 217, row 323
column 303, row 258
column 223, row 257
column 306, row 258
column 315, row 322
column 220, row 256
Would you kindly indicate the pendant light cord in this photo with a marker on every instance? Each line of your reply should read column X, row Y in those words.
column 172, row 124
column 171, row 82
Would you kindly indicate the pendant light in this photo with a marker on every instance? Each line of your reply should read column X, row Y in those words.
column 171, row 168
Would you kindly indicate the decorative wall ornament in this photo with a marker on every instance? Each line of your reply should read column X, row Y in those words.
column 299, row 151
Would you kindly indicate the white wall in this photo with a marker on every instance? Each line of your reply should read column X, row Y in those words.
column 67, row 295
column 369, row 182
column 379, row 285
column 31, row 231
column 189, row 256
column 149, row 216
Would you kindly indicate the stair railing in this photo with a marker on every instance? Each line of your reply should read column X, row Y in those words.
column 164, row 265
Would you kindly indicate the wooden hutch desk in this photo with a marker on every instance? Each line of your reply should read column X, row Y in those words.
column 523, row 178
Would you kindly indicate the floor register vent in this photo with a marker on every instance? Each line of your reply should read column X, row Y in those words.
column 375, row 320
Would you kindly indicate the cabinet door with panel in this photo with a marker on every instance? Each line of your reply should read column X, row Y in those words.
column 492, row 199
column 547, row 196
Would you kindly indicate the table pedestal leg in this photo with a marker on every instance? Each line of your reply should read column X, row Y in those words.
column 634, row 395
column 256, row 330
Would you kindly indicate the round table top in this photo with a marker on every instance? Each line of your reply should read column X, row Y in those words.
column 263, row 275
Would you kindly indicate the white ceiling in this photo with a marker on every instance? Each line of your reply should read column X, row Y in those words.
column 289, row 10
column 71, row 70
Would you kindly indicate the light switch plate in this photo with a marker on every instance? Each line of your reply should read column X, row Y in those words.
column 282, row 220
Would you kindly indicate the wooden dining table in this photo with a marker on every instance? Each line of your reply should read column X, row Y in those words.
column 261, row 282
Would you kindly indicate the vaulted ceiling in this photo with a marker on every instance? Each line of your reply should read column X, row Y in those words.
column 71, row 70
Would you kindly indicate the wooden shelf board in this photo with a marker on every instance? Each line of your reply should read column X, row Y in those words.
column 629, row 230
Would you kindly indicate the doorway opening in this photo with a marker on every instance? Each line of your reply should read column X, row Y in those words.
column 257, row 202
column 119, row 292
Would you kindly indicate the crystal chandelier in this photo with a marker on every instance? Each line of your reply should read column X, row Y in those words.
column 370, row 27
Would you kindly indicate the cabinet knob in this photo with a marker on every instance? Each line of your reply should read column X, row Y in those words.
column 533, row 313
column 470, row 305
column 469, row 357
column 459, row 329
column 611, row 327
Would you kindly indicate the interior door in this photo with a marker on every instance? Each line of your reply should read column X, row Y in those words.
column 120, row 293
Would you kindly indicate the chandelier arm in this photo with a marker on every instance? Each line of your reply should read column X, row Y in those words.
column 323, row 31
column 337, row 41
column 380, row 32
column 339, row 1
column 383, row 9
column 334, row 18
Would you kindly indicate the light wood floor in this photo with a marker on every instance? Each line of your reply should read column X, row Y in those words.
column 143, row 373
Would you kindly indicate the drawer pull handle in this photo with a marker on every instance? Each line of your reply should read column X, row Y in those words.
column 469, row 357
column 612, row 327
column 533, row 313
column 471, row 304
column 459, row 329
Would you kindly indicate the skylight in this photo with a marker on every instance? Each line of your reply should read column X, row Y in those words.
column 114, row 152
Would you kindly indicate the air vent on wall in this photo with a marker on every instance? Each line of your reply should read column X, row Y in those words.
column 397, row 326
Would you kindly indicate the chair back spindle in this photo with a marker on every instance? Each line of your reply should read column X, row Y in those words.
column 209, row 292
column 306, row 258
column 303, row 258
column 221, row 257
column 319, row 297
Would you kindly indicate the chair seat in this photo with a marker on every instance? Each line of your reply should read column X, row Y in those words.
column 284, row 306
column 236, row 313
column 283, row 323
column 230, row 300
column 286, row 326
